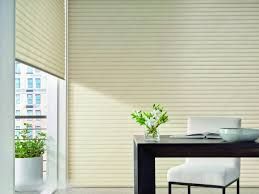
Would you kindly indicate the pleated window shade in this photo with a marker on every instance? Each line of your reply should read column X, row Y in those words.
column 195, row 57
column 40, row 35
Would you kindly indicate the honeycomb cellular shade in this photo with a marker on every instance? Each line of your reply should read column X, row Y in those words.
column 40, row 34
column 195, row 57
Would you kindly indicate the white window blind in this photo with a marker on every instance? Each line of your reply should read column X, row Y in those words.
column 195, row 57
column 40, row 34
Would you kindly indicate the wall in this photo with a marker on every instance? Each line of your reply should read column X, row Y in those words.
column 7, row 34
column 195, row 57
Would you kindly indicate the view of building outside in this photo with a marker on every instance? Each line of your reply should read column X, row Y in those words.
column 30, row 97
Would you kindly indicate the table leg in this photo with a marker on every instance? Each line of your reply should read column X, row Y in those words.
column 144, row 171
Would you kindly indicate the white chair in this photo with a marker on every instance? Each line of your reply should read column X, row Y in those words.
column 207, row 172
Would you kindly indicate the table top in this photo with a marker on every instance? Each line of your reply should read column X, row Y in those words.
column 167, row 139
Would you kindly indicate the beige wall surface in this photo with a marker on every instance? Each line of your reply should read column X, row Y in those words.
column 195, row 57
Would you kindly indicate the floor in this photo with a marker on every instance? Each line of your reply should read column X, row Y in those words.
column 159, row 191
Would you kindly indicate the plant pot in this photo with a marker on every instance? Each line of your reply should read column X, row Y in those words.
column 28, row 173
column 153, row 136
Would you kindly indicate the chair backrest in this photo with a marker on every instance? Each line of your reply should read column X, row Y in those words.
column 212, row 125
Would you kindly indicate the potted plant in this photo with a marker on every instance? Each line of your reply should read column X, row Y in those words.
column 151, row 120
column 29, row 152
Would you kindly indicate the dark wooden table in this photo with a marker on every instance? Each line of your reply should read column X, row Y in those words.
column 146, row 152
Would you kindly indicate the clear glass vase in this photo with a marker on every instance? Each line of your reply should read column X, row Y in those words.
column 153, row 136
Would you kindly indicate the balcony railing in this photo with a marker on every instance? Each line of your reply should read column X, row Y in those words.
column 31, row 117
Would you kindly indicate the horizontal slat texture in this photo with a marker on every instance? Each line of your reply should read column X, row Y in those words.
column 40, row 34
column 195, row 57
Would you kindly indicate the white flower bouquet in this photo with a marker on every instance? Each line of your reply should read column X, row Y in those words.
column 151, row 120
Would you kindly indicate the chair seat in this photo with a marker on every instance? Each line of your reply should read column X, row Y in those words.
column 217, row 175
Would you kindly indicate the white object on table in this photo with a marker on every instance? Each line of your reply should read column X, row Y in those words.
column 239, row 134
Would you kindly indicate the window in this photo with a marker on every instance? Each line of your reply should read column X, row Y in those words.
column 30, row 130
column 17, row 83
column 37, row 127
column 17, row 98
column 37, row 70
column 17, row 129
column 38, row 98
column 30, row 83
column 29, row 112
column 17, row 112
column 38, row 83
column 38, row 113
column 17, row 68
column 29, row 70
column 29, row 99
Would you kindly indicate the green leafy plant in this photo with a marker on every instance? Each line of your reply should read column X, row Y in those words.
column 151, row 120
column 27, row 146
